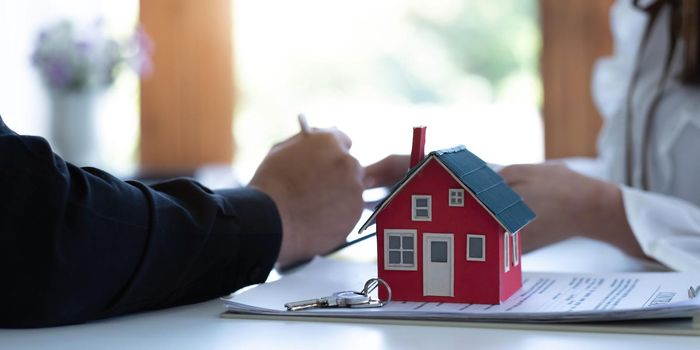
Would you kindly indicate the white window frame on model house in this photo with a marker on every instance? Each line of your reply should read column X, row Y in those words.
column 458, row 195
column 506, row 251
column 401, row 249
column 483, row 247
column 415, row 207
column 516, row 252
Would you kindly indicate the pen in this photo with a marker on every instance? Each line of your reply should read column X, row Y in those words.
column 292, row 266
column 349, row 243
column 303, row 124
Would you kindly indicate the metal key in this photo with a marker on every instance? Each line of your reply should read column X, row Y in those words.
column 339, row 299
column 350, row 299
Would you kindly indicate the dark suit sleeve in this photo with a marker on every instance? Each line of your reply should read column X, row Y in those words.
column 78, row 244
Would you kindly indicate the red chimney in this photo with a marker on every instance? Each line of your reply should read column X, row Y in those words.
column 418, row 149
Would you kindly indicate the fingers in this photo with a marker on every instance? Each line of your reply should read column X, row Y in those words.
column 518, row 173
column 349, row 165
column 514, row 174
column 386, row 172
column 342, row 137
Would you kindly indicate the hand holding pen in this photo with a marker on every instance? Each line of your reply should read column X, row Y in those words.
column 383, row 173
column 317, row 187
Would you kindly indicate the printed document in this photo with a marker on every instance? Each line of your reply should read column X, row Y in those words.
column 544, row 297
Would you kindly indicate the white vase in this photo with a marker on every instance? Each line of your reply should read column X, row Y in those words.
column 74, row 126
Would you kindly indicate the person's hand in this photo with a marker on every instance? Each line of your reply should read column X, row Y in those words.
column 317, row 187
column 386, row 172
column 568, row 203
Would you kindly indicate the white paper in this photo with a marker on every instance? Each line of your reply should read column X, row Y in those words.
column 544, row 297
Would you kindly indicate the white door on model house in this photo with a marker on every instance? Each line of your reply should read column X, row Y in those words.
column 438, row 258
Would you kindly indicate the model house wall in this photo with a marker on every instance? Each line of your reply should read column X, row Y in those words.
column 449, row 231
column 470, row 280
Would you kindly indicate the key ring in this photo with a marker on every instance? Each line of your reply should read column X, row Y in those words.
column 347, row 299
column 372, row 284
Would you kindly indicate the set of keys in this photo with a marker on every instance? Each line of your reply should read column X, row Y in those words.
column 350, row 299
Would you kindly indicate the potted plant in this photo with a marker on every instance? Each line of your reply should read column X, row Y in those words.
column 76, row 66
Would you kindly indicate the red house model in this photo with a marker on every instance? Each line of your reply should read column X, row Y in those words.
column 449, row 231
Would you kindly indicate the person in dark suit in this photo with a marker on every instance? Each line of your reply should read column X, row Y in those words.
column 77, row 244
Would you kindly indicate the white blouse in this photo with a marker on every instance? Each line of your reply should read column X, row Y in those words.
column 666, row 219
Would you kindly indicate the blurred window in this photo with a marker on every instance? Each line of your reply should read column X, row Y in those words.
column 465, row 68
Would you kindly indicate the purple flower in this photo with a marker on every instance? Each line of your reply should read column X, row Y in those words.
column 42, row 35
column 143, row 46
column 84, row 46
column 58, row 73
column 74, row 60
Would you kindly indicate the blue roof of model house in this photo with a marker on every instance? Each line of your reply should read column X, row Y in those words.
column 485, row 184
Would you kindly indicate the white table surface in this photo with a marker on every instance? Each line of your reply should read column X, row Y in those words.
column 199, row 326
